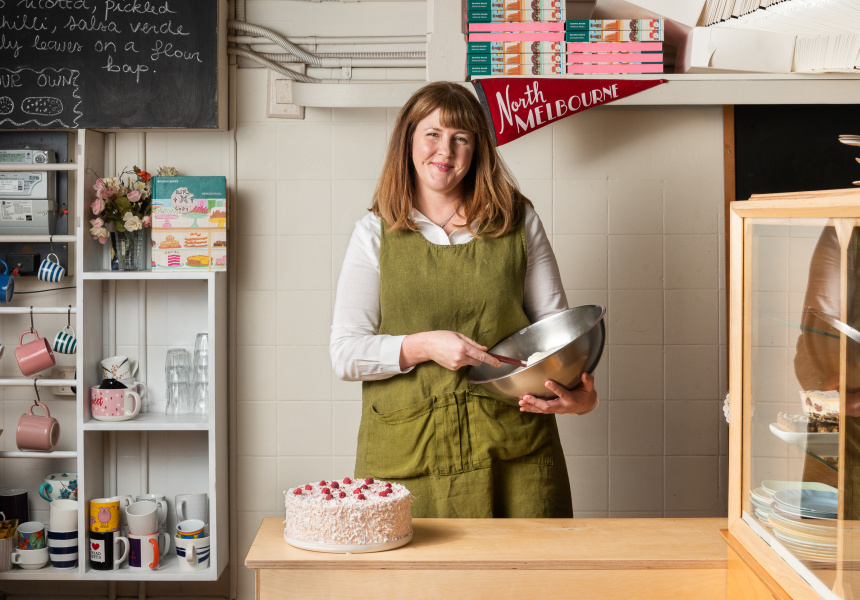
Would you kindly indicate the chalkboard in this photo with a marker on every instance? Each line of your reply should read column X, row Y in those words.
column 794, row 148
column 109, row 64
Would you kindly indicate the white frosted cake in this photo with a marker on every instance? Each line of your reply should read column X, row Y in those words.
column 348, row 516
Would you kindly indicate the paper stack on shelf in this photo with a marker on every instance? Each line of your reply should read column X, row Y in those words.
column 614, row 46
column 826, row 33
column 515, row 37
column 679, row 16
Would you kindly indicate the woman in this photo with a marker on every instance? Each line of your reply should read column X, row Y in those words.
column 451, row 260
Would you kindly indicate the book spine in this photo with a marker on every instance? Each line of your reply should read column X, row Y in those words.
column 539, row 69
column 475, row 48
column 626, row 35
column 614, row 46
column 516, row 59
column 613, row 24
column 499, row 27
column 514, row 4
column 528, row 36
column 614, row 69
column 574, row 58
column 516, row 16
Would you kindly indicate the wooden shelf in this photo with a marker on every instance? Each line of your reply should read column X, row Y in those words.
column 680, row 90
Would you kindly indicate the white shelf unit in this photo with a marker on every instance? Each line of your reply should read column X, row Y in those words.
column 134, row 456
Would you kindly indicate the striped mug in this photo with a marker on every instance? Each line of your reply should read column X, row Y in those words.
column 51, row 270
column 65, row 341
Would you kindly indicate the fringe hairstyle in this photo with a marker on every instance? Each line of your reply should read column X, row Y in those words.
column 490, row 193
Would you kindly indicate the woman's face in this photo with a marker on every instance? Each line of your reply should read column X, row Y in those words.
column 441, row 155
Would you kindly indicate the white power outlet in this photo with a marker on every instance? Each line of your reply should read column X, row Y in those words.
column 63, row 373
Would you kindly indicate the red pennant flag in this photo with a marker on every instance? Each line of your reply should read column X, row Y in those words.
column 518, row 105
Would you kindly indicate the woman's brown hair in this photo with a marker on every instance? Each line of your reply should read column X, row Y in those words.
column 491, row 195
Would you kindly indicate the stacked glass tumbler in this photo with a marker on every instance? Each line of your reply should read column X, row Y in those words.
column 200, row 375
column 176, row 374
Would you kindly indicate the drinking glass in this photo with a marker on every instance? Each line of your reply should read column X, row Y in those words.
column 176, row 375
column 200, row 375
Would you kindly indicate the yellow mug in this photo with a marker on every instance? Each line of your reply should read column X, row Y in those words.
column 104, row 514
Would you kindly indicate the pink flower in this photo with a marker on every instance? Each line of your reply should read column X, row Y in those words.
column 102, row 193
column 99, row 233
column 133, row 196
column 147, row 221
column 97, row 206
column 97, row 222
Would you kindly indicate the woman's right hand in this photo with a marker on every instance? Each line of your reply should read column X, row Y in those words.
column 449, row 349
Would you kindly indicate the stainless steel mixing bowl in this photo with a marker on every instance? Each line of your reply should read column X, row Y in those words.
column 577, row 335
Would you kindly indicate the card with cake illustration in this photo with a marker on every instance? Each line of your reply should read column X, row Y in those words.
column 195, row 202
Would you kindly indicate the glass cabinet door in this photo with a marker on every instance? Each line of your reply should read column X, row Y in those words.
column 801, row 382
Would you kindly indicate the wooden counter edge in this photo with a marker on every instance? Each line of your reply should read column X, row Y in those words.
column 321, row 561
column 764, row 577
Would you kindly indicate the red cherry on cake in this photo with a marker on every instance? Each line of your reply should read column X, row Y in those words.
column 308, row 487
column 388, row 485
column 297, row 491
column 347, row 480
column 342, row 495
column 383, row 494
column 369, row 480
column 322, row 483
column 361, row 497
column 325, row 491
column 356, row 491
column 334, row 485
column 328, row 497
column 364, row 487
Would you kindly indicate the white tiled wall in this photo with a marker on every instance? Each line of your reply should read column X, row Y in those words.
column 632, row 200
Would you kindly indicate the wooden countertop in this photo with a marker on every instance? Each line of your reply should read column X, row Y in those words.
column 464, row 544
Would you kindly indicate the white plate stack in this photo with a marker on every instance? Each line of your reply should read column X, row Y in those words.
column 804, row 520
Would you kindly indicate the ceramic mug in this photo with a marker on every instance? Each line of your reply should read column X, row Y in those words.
column 161, row 502
column 31, row 535
column 63, row 548
column 31, row 559
column 7, row 545
column 13, row 505
column 114, row 405
column 105, row 553
column 192, row 506
column 142, row 518
column 190, row 529
column 118, row 367
column 7, row 284
column 104, row 514
column 146, row 550
column 37, row 432
column 59, row 486
column 64, row 515
column 51, row 270
column 35, row 355
column 193, row 553
column 65, row 341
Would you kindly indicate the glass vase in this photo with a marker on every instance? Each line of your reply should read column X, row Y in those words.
column 127, row 250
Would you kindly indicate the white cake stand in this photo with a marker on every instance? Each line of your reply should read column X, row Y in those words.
column 349, row 548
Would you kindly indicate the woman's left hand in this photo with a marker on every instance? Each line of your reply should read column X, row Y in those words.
column 580, row 400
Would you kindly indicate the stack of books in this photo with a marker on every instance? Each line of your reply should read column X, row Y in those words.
column 614, row 46
column 515, row 37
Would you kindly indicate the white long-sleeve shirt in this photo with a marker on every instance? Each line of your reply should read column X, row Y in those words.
column 359, row 353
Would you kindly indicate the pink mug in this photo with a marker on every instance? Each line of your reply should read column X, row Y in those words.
column 34, row 356
column 113, row 404
column 36, row 432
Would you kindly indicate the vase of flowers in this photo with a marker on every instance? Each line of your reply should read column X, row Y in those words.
column 122, row 213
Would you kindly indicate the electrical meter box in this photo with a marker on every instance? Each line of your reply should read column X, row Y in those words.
column 28, row 199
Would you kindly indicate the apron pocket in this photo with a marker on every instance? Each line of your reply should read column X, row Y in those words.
column 401, row 443
column 499, row 431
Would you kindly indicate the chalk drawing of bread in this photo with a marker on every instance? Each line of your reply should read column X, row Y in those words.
column 42, row 105
column 6, row 105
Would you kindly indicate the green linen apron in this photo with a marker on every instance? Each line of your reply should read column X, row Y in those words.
column 459, row 450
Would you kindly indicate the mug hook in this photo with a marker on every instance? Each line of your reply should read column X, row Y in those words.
column 32, row 327
column 35, row 387
column 51, row 241
column 69, row 317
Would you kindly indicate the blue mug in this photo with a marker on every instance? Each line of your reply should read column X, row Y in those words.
column 7, row 284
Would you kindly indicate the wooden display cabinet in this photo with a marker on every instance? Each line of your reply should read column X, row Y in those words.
column 794, row 309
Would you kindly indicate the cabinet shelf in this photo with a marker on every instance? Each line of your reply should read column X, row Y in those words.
column 37, row 239
column 148, row 275
column 23, row 381
column 152, row 421
column 22, row 454
column 168, row 571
